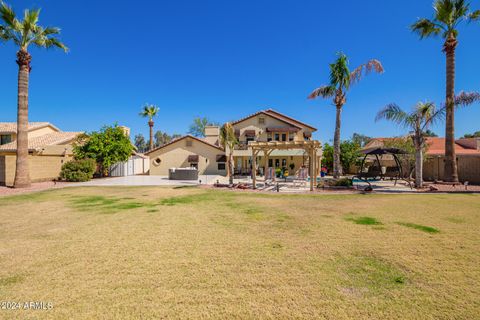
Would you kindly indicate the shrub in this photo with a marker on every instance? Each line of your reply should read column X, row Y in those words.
column 78, row 170
column 344, row 182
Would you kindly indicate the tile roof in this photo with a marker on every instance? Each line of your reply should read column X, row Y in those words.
column 436, row 146
column 184, row 137
column 49, row 139
column 277, row 115
column 11, row 127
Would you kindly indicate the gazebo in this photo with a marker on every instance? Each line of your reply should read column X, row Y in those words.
column 311, row 147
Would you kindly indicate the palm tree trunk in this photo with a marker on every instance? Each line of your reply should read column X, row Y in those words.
column 337, row 166
column 230, row 168
column 450, row 170
column 418, row 163
column 22, row 174
column 150, row 124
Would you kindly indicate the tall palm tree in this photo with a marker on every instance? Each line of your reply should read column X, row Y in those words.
column 446, row 19
column 340, row 81
column 24, row 33
column 228, row 140
column 150, row 111
column 419, row 120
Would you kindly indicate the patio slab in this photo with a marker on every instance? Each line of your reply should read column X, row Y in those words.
column 146, row 181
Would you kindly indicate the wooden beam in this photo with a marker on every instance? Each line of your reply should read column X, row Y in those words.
column 254, row 168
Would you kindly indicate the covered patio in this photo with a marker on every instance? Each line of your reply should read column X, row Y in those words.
column 310, row 147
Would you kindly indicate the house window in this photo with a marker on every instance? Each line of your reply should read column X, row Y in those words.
column 5, row 138
column 290, row 136
column 248, row 139
column 284, row 162
column 269, row 137
column 221, row 166
column 277, row 137
column 157, row 161
column 261, row 120
column 189, row 143
column 270, row 163
column 277, row 163
column 194, row 165
column 284, row 137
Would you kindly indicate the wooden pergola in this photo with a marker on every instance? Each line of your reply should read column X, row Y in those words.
column 311, row 147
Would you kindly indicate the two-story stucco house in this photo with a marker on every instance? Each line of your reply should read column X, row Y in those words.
column 208, row 156
column 48, row 147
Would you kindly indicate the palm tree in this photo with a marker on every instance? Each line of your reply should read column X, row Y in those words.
column 340, row 81
column 447, row 16
column 228, row 140
column 418, row 121
column 24, row 33
column 149, row 111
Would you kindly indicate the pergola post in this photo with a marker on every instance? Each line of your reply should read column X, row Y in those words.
column 311, row 162
column 254, row 168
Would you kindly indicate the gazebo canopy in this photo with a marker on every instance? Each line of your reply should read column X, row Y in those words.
column 381, row 150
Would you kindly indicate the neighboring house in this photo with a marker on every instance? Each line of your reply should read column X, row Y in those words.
column 48, row 149
column 207, row 155
column 468, row 158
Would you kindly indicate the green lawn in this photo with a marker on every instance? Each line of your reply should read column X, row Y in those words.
column 115, row 253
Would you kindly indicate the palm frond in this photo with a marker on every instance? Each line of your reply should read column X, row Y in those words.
column 428, row 114
column 8, row 16
column 339, row 72
column 394, row 113
column 426, row 28
column 149, row 111
column 227, row 136
column 365, row 69
column 464, row 99
column 323, row 91
column 473, row 16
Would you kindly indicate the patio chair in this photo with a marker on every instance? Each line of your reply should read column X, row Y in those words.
column 270, row 176
column 301, row 177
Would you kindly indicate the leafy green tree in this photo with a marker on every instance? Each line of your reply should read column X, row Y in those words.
column 108, row 146
column 162, row 138
column 197, row 128
column 228, row 140
column 24, row 33
column 349, row 154
column 341, row 80
column 150, row 111
column 360, row 139
column 140, row 142
column 476, row 134
column 448, row 14
column 430, row 133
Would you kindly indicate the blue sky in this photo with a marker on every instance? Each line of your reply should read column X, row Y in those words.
column 227, row 59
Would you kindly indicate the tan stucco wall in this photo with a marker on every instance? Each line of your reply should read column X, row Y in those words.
column 468, row 168
column 176, row 155
column 252, row 124
column 42, row 168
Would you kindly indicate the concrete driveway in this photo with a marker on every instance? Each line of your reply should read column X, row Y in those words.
column 147, row 181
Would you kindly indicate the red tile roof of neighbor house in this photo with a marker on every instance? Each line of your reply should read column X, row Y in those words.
column 436, row 146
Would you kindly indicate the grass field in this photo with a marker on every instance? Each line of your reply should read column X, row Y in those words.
column 116, row 253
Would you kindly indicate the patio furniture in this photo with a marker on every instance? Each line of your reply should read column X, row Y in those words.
column 183, row 174
column 270, row 176
column 301, row 177
column 375, row 171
